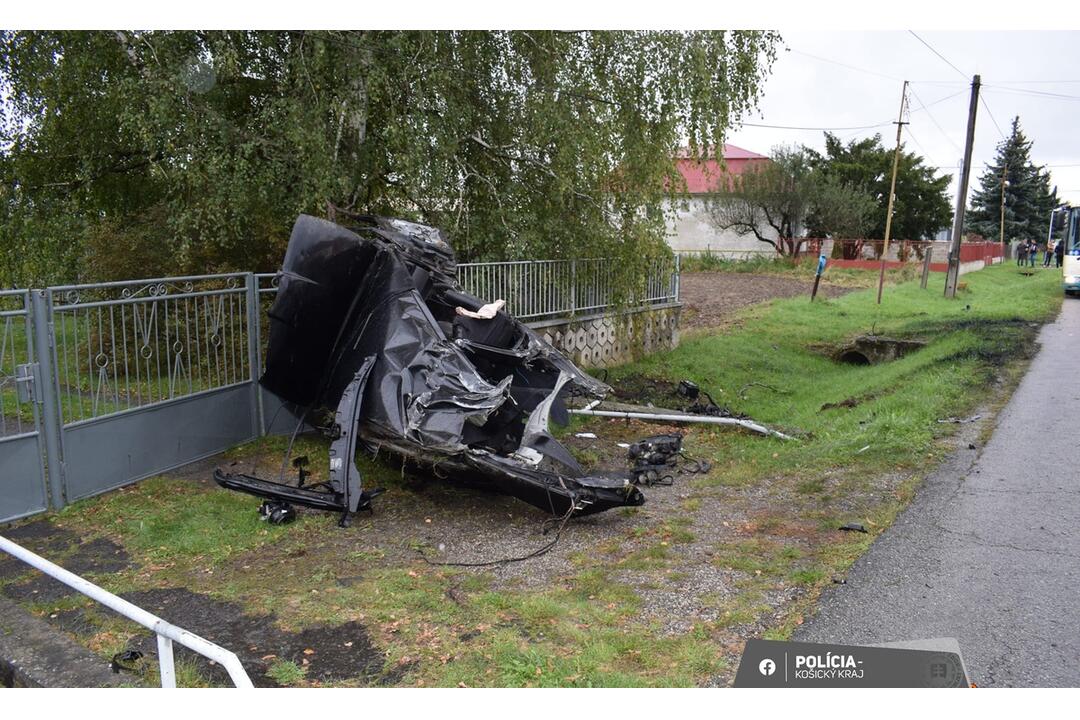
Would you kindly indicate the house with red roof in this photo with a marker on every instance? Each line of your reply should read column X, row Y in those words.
column 691, row 231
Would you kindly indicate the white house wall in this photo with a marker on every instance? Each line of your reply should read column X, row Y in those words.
column 692, row 232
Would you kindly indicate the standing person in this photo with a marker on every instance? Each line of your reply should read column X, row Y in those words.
column 1047, row 255
column 1021, row 253
column 1033, row 253
column 1059, row 252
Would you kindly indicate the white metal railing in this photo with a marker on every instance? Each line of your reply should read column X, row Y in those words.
column 545, row 288
column 166, row 633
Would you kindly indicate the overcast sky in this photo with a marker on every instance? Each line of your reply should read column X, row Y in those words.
column 1023, row 73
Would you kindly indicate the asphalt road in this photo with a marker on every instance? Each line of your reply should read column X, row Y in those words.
column 989, row 550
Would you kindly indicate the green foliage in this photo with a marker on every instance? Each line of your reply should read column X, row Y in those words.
column 841, row 208
column 921, row 207
column 777, row 200
column 194, row 151
column 1028, row 197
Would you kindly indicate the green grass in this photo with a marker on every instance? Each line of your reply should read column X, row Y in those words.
column 787, row 345
column 586, row 627
column 286, row 672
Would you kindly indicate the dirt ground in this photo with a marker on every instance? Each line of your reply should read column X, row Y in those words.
column 710, row 298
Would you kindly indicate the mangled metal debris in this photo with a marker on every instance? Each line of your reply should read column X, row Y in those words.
column 370, row 323
column 655, row 459
column 703, row 409
column 634, row 412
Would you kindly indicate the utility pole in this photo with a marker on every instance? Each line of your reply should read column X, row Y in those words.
column 1004, row 171
column 953, row 273
column 892, row 191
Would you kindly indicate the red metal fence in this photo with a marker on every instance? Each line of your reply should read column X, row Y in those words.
column 866, row 254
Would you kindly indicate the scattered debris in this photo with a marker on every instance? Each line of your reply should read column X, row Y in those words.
column 854, row 527
column 690, row 390
column 654, row 460
column 126, row 660
column 277, row 512
column 586, row 435
column 839, row 580
column 747, row 386
column 368, row 323
column 960, row 421
column 863, row 449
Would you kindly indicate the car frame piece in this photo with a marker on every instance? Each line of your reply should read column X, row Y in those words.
column 369, row 322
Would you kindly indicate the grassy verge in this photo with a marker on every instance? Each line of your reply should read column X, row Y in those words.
column 803, row 269
column 661, row 595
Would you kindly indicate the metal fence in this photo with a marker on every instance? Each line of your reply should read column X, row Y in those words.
column 103, row 384
column 541, row 289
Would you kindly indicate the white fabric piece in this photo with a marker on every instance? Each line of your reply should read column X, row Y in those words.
column 484, row 313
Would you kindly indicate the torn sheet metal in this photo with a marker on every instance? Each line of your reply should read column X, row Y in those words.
column 469, row 396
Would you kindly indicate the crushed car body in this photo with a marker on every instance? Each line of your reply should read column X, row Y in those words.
column 370, row 323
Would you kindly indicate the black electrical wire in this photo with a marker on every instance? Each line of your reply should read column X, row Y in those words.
column 506, row 561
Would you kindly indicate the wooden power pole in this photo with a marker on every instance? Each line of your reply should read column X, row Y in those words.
column 892, row 191
column 953, row 273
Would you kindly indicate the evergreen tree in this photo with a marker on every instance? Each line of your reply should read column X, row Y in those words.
column 1029, row 198
column 922, row 205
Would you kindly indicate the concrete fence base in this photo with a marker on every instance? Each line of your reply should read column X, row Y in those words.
column 604, row 340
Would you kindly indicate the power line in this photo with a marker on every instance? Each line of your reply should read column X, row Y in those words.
column 931, row 48
column 992, row 118
column 934, row 120
column 800, row 127
column 844, row 65
column 1034, row 93
column 886, row 123
column 918, row 144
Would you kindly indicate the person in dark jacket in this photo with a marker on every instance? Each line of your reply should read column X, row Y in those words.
column 1021, row 253
column 1059, row 252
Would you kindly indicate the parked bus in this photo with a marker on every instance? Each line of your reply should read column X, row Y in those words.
column 1070, row 266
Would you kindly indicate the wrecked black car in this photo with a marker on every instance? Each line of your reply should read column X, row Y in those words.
column 370, row 323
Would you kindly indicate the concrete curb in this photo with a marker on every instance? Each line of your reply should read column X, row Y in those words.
column 34, row 654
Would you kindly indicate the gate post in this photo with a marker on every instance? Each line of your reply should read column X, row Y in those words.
column 46, row 388
column 255, row 351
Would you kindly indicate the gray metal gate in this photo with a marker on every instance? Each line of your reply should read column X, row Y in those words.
column 22, row 472
column 149, row 375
